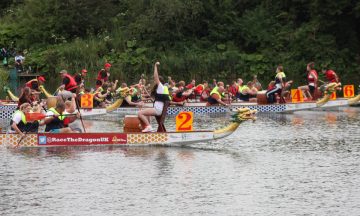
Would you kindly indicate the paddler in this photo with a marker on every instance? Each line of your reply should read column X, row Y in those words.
column 331, row 77
column 68, row 82
column 80, row 77
column 161, row 94
column 56, row 120
column 280, row 79
column 35, row 83
column 312, row 79
column 26, row 97
column 246, row 92
column 19, row 124
column 216, row 95
column 180, row 96
column 199, row 89
column 131, row 97
column 103, row 75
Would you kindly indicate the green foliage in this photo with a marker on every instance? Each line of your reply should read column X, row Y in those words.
column 4, row 78
column 201, row 39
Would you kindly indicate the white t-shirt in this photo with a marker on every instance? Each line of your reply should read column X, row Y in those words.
column 19, row 57
column 17, row 118
column 159, row 105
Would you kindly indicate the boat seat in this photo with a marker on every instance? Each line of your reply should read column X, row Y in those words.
column 160, row 119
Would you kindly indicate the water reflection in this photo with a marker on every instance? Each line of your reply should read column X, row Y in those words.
column 305, row 163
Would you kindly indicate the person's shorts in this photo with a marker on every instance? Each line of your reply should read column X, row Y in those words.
column 55, row 131
column 158, row 112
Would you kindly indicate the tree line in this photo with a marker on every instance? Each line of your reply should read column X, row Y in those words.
column 201, row 39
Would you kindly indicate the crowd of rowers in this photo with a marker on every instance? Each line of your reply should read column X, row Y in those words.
column 60, row 118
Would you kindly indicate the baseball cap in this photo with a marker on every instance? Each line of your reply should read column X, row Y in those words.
column 63, row 71
column 107, row 65
column 84, row 71
column 41, row 78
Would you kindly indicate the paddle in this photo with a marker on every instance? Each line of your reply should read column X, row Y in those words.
column 82, row 123
column 56, row 91
column 38, row 116
column 26, row 132
column 148, row 94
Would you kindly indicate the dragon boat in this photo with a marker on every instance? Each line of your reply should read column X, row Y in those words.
column 201, row 108
column 125, row 138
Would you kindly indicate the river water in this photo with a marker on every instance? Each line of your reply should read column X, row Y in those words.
column 306, row 163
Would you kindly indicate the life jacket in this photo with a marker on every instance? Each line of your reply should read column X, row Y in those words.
column 99, row 99
column 179, row 97
column 134, row 96
column 212, row 100
column 32, row 84
column 22, row 124
column 277, row 77
column 72, row 83
column 242, row 88
column 163, row 97
column 233, row 90
column 206, row 92
column 311, row 80
column 330, row 75
column 199, row 89
column 99, row 77
column 243, row 96
column 56, row 123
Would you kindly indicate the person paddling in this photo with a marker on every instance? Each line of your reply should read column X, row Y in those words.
column 280, row 79
column 161, row 94
column 331, row 77
column 19, row 124
column 68, row 82
column 216, row 95
column 56, row 120
column 312, row 79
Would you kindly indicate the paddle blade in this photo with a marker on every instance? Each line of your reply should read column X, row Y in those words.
column 34, row 116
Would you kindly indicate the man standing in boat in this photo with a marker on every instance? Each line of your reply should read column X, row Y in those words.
column 161, row 94
column 68, row 82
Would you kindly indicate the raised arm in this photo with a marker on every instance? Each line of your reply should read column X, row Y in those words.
column 156, row 74
column 336, row 77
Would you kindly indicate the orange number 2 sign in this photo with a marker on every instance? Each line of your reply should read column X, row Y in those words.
column 184, row 121
column 296, row 96
column 349, row 91
column 87, row 101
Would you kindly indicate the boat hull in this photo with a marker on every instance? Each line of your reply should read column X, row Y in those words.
column 105, row 139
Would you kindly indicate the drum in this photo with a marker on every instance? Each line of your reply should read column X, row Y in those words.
column 261, row 97
column 132, row 124
column 51, row 102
